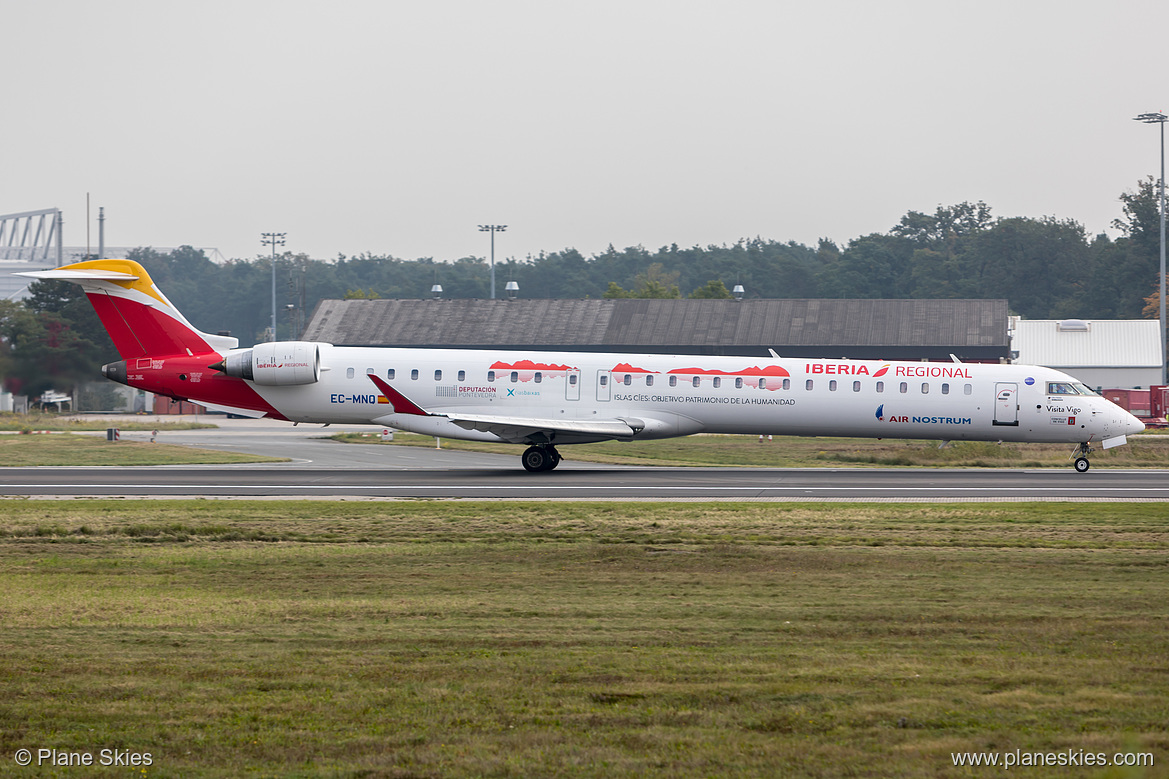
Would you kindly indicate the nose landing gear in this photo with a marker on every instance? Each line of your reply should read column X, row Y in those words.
column 1081, row 453
column 541, row 457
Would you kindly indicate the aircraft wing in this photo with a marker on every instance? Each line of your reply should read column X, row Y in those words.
column 517, row 429
column 532, row 429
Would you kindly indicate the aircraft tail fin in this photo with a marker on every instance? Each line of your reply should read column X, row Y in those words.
column 139, row 318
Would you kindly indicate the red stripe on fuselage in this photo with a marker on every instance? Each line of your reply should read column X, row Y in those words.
column 190, row 378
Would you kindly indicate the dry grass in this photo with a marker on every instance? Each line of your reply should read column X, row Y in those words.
column 464, row 639
column 69, row 449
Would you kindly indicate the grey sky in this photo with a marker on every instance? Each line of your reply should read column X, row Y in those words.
column 397, row 127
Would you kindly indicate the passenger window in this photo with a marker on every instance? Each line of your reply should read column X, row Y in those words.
column 515, row 376
column 438, row 375
column 945, row 389
column 539, row 377
column 604, row 380
column 696, row 380
column 880, row 386
column 649, row 380
column 966, row 389
column 627, row 380
column 490, row 375
column 572, row 379
column 763, row 383
column 390, row 374
column 673, row 381
column 904, row 388
column 832, row 386
column 808, row 384
column 718, row 382
column 462, row 375
column 370, row 371
column 349, row 373
column 787, row 384
column 414, row 375
column 856, row 386
column 925, row 388
column 739, row 383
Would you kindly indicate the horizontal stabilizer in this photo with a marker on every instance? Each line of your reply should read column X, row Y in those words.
column 78, row 275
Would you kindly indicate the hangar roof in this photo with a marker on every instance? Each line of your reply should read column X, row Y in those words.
column 973, row 329
column 1072, row 343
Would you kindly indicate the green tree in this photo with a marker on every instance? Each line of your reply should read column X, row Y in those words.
column 616, row 292
column 712, row 290
column 41, row 351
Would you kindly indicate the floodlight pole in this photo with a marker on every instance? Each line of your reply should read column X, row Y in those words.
column 1160, row 118
column 273, row 240
column 493, row 229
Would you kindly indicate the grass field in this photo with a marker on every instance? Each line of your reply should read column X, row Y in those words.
column 802, row 452
column 69, row 449
column 68, row 423
column 409, row 639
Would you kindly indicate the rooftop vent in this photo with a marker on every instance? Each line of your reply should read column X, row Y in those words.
column 1073, row 326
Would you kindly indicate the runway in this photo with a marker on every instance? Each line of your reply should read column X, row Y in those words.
column 321, row 468
column 588, row 483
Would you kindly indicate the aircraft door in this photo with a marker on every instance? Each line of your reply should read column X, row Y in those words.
column 1006, row 403
column 572, row 384
column 604, row 385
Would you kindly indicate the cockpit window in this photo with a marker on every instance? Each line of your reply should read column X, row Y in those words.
column 1068, row 388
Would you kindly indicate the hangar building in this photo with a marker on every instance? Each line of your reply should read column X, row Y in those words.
column 1107, row 353
column 973, row 330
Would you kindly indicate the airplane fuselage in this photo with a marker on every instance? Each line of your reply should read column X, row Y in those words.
column 675, row 395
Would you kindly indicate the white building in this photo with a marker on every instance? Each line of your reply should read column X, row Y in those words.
column 1109, row 353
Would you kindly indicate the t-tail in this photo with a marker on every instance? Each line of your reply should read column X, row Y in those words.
column 139, row 318
column 161, row 351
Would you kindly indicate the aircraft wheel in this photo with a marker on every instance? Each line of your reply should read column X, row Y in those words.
column 1082, row 464
column 537, row 458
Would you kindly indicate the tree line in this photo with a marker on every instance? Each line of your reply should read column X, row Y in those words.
column 1046, row 268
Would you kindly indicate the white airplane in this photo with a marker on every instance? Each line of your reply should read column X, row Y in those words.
column 548, row 399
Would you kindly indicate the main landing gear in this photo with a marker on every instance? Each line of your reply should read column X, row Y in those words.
column 541, row 457
column 1081, row 454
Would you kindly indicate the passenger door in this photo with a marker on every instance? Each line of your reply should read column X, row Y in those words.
column 1006, row 403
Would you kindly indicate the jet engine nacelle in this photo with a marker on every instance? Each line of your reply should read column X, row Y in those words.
column 277, row 364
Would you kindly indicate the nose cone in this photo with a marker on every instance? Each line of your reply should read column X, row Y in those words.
column 1132, row 425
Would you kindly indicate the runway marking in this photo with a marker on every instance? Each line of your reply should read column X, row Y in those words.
column 550, row 488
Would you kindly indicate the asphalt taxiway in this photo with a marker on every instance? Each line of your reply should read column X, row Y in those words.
column 319, row 467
